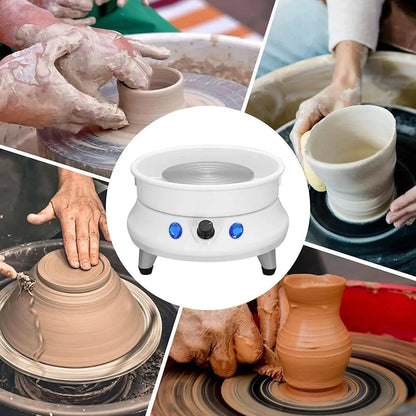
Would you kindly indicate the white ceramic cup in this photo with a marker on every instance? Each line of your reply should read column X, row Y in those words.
column 353, row 152
column 165, row 95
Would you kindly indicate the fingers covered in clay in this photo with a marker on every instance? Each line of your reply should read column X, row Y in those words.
column 311, row 111
column 221, row 339
column 35, row 94
column 87, row 21
column 149, row 51
column 403, row 209
column 66, row 8
column 6, row 269
column 268, row 309
column 101, row 55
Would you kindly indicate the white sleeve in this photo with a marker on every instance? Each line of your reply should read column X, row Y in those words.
column 354, row 20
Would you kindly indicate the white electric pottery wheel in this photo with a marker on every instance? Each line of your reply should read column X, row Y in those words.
column 208, row 203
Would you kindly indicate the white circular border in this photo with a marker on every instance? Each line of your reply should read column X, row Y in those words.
column 206, row 285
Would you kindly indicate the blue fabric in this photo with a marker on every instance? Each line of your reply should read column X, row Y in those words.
column 299, row 31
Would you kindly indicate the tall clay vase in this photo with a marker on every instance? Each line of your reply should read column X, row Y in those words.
column 353, row 152
column 314, row 345
column 165, row 95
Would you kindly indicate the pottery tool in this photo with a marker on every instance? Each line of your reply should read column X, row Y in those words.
column 97, row 150
column 208, row 203
column 380, row 377
column 375, row 241
column 26, row 282
column 113, row 395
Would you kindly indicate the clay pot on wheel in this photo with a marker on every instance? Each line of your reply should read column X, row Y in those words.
column 314, row 344
column 353, row 152
column 165, row 95
column 86, row 318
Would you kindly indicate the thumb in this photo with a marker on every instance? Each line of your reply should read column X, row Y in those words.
column 59, row 46
column 43, row 216
column 149, row 51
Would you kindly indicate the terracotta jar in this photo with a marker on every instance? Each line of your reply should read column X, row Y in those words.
column 165, row 95
column 314, row 345
column 86, row 318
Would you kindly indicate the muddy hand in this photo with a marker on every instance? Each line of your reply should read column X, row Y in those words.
column 101, row 55
column 268, row 310
column 82, row 216
column 120, row 3
column 221, row 339
column 7, row 270
column 73, row 9
column 35, row 94
column 344, row 90
column 403, row 209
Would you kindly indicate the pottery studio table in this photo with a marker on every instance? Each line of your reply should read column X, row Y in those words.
column 127, row 395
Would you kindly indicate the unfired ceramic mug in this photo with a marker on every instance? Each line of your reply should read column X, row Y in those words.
column 165, row 95
column 353, row 152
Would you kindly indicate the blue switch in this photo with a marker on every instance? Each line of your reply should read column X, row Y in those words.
column 236, row 230
column 175, row 230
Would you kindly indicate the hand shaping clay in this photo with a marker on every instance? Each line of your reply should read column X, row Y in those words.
column 86, row 318
column 165, row 95
column 313, row 344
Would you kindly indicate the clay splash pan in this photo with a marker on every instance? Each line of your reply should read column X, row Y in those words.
column 93, row 325
column 183, row 180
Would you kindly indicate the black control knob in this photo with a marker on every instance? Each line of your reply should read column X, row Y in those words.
column 205, row 230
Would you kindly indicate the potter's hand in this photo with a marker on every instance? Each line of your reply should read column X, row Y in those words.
column 344, row 90
column 7, row 270
column 268, row 310
column 35, row 94
column 221, row 338
column 332, row 98
column 120, row 3
column 82, row 215
column 102, row 54
column 403, row 209
column 66, row 8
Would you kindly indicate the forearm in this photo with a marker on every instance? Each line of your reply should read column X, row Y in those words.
column 354, row 20
column 16, row 13
column 350, row 60
column 68, row 178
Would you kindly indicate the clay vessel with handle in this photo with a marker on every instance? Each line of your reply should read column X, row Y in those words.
column 314, row 345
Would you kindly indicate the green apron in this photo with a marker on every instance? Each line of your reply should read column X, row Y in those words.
column 132, row 18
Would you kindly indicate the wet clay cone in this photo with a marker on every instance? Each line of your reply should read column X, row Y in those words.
column 86, row 318
column 314, row 344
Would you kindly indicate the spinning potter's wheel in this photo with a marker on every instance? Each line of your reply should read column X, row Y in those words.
column 93, row 149
column 380, row 377
column 128, row 394
column 374, row 241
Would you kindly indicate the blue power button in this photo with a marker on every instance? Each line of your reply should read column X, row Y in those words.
column 236, row 230
column 175, row 230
